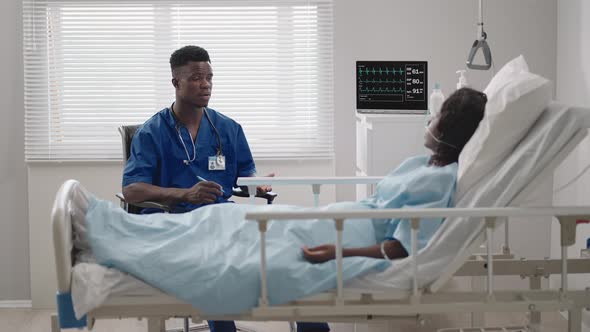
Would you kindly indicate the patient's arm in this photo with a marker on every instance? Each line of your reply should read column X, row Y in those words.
column 327, row 252
column 204, row 192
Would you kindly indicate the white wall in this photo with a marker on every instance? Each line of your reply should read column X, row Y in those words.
column 14, row 240
column 573, row 87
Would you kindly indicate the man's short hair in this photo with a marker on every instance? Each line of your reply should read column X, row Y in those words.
column 190, row 53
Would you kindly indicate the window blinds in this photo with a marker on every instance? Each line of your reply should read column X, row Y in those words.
column 93, row 65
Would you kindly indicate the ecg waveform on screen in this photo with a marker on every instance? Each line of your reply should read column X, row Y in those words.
column 383, row 90
column 385, row 71
column 391, row 85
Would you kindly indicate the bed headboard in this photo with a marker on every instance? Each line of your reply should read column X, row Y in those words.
column 61, row 224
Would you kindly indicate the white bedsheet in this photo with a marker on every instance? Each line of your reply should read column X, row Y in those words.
column 93, row 284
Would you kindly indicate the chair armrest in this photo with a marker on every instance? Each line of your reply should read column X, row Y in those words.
column 146, row 204
column 243, row 192
column 269, row 196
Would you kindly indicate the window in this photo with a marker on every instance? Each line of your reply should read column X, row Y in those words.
column 93, row 65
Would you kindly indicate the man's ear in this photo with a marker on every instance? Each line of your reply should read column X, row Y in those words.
column 175, row 82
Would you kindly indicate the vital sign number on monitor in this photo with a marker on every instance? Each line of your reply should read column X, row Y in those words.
column 391, row 86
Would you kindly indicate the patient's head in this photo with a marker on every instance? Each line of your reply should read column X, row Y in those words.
column 451, row 129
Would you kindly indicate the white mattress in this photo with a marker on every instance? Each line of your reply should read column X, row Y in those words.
column 93, row 284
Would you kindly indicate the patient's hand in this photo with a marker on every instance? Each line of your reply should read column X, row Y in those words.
column 320, row 254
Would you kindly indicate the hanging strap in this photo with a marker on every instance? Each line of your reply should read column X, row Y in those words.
column 480, row 43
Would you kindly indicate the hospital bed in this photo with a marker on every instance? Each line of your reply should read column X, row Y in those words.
column 406, row 291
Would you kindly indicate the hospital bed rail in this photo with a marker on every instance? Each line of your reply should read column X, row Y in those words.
column 352, row 307
column 519, row 200
column 316, row 182
column 502, row 301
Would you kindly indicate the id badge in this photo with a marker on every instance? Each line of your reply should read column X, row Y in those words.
column 217, row 163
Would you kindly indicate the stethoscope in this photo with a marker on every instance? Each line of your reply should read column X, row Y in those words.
column 188, row 159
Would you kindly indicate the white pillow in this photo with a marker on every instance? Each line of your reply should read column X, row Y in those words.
column 503, row 77
column 516, row 99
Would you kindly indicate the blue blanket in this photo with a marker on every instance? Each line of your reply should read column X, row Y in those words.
column 210, row 257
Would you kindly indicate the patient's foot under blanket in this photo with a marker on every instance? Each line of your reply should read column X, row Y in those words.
column 210, row 257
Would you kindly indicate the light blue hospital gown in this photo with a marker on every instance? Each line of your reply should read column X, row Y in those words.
column 413, row 184
column 210, row 257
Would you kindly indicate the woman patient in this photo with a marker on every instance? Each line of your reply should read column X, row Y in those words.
column 212, row 254
column 420, row 182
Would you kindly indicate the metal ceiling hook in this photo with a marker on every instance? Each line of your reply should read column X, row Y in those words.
column 487, row 54
column 480, row 43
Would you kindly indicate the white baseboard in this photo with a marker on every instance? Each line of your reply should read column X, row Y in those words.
column 16, row 304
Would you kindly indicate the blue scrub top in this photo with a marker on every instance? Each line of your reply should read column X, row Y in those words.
column 157, row 154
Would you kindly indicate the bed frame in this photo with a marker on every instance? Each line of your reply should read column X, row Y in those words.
column 343, row 306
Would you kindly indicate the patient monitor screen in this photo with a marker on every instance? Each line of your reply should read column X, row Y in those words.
column 391, row 86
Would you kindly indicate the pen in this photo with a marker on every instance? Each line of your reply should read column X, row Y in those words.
column 200, row 178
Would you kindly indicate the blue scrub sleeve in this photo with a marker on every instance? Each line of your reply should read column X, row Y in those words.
column 142, row 165
column 245, row 162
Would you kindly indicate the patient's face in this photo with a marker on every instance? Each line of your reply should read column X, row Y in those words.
column 432, row 129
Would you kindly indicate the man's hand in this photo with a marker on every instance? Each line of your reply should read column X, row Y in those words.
column 261, row 190
column 320, row 254
column 204, row 192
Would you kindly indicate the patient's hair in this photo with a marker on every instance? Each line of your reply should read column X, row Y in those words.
column 190, row 53
column 460, row 115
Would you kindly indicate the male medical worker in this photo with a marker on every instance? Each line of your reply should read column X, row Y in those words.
column 189, row 155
